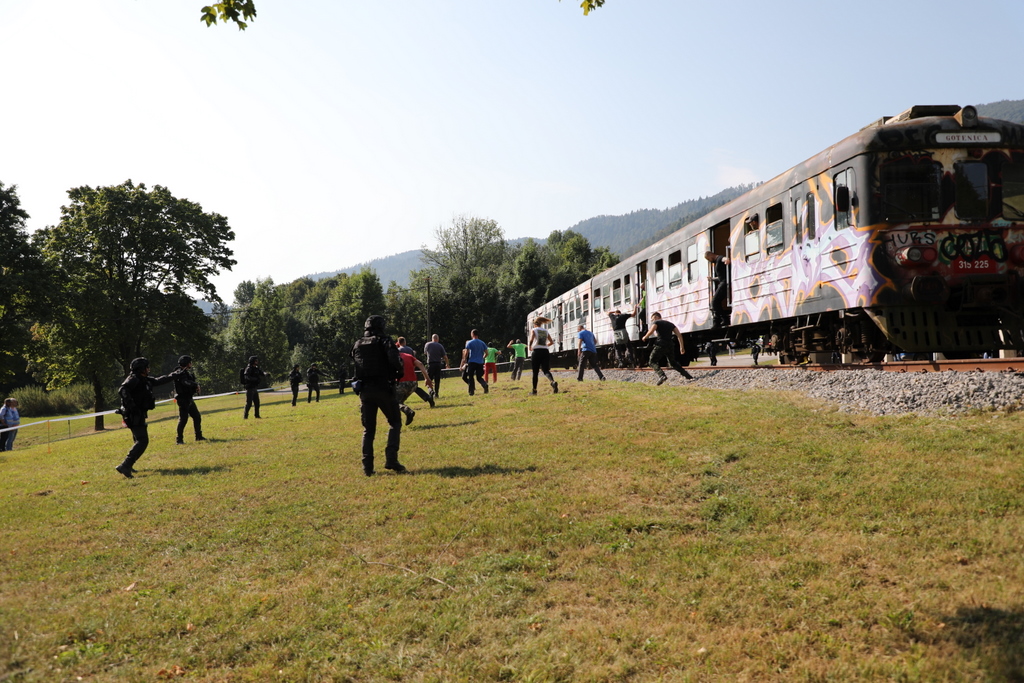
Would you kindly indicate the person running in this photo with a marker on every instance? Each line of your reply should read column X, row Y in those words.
column 136, row 393
column 663, row 347
column 313, row 383
column 295, row 379
column 473, row 362
column 519, row 349
column 540, row 353
column 409, row 384
column 185, row 389
column 491, row 364
column 437, row 360
column 587, row 353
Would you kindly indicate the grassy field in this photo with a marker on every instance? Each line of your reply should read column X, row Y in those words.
column 612, row 532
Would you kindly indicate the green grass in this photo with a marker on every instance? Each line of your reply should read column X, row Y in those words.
column 611, row 532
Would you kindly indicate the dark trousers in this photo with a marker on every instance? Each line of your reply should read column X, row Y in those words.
column 665, row 353
column 588, row 357
column 252, row 400
column 309, row 394
column 540, row 359
column 295, row 393
column 434, row 373
column 186, row 409
column 474, row 370
column 517, row 369
column 140, row 434
column 374, row 397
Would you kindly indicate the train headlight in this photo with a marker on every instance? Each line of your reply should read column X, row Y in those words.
column 967, row 117
column 916, row 256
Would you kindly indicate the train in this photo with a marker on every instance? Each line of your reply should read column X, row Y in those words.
column 907, row 237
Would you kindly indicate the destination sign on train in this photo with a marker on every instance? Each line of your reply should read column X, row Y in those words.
column 962, row 137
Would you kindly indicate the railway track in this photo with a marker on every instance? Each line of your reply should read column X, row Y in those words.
column 915, row 366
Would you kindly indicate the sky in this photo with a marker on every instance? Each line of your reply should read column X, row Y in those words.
column 334, row 132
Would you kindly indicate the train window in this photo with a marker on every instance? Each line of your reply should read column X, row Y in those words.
column 810, row 217
column 607, row 299
column 597, row 301
column 629, row 290
column 1013, row 191
column 617, row 293
column 844, row 179
column 659, row 275
column 692, row 263
column 910, row 190
column 972, row 190
column 752, row 238
column 675, row 269
column 774, row 229
column 586, row 307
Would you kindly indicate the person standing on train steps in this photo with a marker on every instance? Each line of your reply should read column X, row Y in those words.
column 185, row 389
column 720, row 277
column 540, row 353
column 473, row 362
column 623, row 347
column 587, row 353
column 519, row 349
column 663, row 347
column 136, row 393
column 437, row 360
column 295, row 379
column 313, row 383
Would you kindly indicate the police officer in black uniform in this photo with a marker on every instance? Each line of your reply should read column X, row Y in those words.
column 185, row 389
column 251, row 376
column 313, row 383
column 137, row 400
column 376, row 381
column 295, row 378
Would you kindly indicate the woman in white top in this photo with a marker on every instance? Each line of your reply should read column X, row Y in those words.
column 540, row 354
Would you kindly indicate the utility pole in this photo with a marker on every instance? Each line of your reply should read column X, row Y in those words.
column 428, row 310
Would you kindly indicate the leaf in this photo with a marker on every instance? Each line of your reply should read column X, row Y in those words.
column 131, row 587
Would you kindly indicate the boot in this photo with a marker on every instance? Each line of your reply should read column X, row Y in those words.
column 200, row 437
column 368, row 465
column 125, row 468
column 391, row 463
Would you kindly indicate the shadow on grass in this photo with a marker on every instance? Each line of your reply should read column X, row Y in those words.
column 479, row 470
column 187, row 471
column 996, row 636
column 441, row 426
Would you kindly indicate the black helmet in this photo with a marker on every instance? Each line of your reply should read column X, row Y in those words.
column 139, row 364
column 184, row 360
column 375, row 324
column 254, row 359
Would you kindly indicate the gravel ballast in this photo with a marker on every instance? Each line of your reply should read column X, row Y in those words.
column 857, row 391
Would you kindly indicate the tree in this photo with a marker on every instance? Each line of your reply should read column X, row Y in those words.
column 125, row 257
column 259, row 330
column 243, row 11
column 22, row 281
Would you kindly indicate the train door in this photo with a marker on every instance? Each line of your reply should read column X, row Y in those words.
column 720, row 275
column 641, row 298
column 559, row 318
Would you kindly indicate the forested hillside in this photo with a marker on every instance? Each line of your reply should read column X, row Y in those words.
column 1008, row 110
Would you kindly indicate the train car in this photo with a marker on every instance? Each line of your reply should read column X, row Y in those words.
column 907, row 236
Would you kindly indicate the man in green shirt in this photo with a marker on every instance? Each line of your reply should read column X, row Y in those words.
column 520, row 350
column 491, row 364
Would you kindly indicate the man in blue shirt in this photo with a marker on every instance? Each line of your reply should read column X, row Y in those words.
column 587, row 353
column 473, row 362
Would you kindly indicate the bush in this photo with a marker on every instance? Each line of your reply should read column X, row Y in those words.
column 37, row 402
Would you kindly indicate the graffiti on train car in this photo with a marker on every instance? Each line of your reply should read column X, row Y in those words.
column 973, row 246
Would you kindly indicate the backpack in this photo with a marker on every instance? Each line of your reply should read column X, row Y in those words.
column 377, row 358
column 241, row 376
